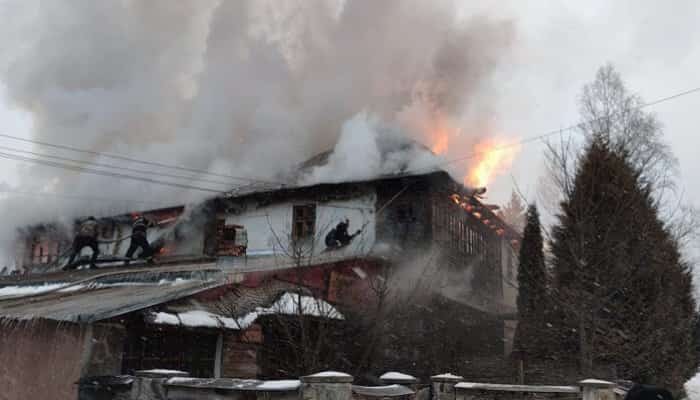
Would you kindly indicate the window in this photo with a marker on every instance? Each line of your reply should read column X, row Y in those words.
column 107, row 229
column 44, row 251
column 232, row 240
column 229, row 233
column 304, row 221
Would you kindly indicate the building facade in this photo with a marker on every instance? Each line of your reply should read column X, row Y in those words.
column 244, row 275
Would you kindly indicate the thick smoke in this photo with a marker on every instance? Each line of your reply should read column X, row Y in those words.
column 241, row 88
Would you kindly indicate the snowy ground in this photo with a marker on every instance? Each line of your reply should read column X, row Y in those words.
column 692, row 387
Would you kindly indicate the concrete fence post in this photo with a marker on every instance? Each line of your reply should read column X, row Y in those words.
column 594, row 389
column 397, row 378
column 326, row 386
column 149, row 385
column 444, row 386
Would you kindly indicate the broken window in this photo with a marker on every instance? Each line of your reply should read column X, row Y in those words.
column 44, row 251
column 232, row 239
column 304, row 221
column 229, row 233
column 107, row 230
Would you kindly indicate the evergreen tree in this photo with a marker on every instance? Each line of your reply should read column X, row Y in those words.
column 623, row 292
column 532, row 289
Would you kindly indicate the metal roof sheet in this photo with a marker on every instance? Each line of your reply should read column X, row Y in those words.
column 101, row 301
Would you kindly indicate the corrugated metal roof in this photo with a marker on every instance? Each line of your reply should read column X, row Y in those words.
column 100, row 301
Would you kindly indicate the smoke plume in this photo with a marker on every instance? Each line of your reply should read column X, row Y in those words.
column 239, row 88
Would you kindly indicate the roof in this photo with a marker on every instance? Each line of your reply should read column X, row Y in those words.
column 110, row 295
column 265, row 187
column 239, row 307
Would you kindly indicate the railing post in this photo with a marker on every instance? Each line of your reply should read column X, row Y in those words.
column 594, row 389
column 326, row 386
column 444, row 386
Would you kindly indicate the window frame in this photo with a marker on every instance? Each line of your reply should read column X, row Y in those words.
column 303, row 223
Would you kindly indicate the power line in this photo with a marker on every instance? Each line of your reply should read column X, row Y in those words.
column 131, row 159
column 106, row 173
column 551, row 133
column 116, row 167
column 78, row 197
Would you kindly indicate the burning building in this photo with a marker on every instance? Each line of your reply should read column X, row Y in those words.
column 356, row 264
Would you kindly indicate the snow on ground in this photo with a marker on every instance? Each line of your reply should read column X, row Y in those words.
column 692, row 387
column 397, row 376
column 291, row 384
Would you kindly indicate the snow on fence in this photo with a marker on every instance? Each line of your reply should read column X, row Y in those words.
column 328, row 385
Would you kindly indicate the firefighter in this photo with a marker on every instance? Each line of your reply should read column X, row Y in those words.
column 339, row 237
column 139, row 238
column 648, row 392
column 86, row 237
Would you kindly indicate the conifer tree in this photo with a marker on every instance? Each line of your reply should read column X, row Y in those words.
column 623, row 292
column 532, row 289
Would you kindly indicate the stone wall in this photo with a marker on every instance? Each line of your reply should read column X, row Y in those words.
column 240, row 357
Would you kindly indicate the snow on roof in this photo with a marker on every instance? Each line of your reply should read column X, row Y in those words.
column 64, row 287
column 290, row 384
column 178, row 379
column 163, row 371
column 397, row 376
column 596, row 382
column 383, row 391
column 328, row 374
column 29, row 290
column 447, row 376
column 517, row 388
column 288, row 304
column 109, row 294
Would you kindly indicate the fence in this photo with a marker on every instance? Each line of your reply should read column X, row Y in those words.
column 175, row 385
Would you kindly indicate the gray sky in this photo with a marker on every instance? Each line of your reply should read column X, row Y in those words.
column 557, row 48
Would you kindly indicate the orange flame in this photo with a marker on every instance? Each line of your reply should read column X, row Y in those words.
column 439, row 134
column 441, row 143
column 493, row 157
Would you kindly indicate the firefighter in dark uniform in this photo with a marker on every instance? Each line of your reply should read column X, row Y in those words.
column 339, row 237
column 86, row 237
column 139, row 238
